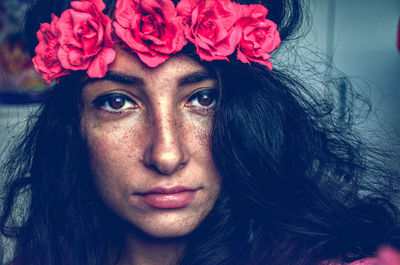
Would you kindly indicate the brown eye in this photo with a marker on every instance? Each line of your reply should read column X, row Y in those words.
column 204, row 98
column 115, row 102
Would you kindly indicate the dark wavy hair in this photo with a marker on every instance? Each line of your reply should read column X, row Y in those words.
column 300, row 186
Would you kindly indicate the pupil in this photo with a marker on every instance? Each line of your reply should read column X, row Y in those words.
column 205, row 98
column 117, row 102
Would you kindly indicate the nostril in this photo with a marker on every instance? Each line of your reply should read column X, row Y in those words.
column 167, row 161
column 165, row 158
column 165, row 152
column 166, row 171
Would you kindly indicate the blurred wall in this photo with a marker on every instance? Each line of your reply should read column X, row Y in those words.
column 361, row 41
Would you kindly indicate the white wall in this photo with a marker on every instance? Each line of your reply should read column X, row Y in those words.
column 12, row 120
column 362, row 43
column 366, row 33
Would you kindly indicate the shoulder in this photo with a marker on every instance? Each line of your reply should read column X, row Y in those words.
column 367, row 261
column 385, row 256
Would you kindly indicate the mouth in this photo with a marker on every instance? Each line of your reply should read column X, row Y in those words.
column 168, row 198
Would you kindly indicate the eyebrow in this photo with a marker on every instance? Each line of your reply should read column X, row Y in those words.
column 196, row 77
column 122, row 78
column 127, row 79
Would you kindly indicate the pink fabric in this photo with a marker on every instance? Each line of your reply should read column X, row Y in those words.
column 367, row 261
column 385, row 256
column 398, row 36
column 388, row 256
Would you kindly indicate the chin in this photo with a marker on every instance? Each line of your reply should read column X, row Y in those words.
column 169, row 228
column 168, row 233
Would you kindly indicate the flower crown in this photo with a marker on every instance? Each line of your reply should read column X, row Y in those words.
column 83, row 38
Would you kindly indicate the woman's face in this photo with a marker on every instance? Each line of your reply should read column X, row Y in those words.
column 148, row 137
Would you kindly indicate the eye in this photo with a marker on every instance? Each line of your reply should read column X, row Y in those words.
column 203, row 99
column 115, row 102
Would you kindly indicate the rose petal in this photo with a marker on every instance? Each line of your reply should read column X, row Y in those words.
column 211, row 26
column 152, row 60
column 99, row 65
column 259, row 36
column 149, row 28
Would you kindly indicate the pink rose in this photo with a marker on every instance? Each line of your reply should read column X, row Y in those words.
column 150, row 28
column 259, row 36
column 211, row 26
column 85, row 38
column 46, row 60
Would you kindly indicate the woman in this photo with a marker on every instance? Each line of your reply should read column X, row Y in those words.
column 168, row 140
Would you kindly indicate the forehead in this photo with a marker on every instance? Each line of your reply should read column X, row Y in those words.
column 174, row 68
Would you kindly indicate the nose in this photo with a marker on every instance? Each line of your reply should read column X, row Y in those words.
column 166, row 152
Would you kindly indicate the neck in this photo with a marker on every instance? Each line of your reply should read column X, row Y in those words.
column 144, row 250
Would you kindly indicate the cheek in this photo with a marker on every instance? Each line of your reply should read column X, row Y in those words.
column 199, row 139
column 116, row 158
column 197, row 130
column 113, row 152
column 116, row 151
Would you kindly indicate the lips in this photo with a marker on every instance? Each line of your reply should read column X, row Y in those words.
column 168, row 198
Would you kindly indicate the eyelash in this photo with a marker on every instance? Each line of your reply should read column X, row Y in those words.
column 104, row 103
column 211, row 93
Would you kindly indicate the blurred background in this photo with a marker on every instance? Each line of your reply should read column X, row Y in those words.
column 359, row 37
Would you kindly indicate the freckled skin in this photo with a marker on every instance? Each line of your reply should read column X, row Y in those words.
column 162, row 141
